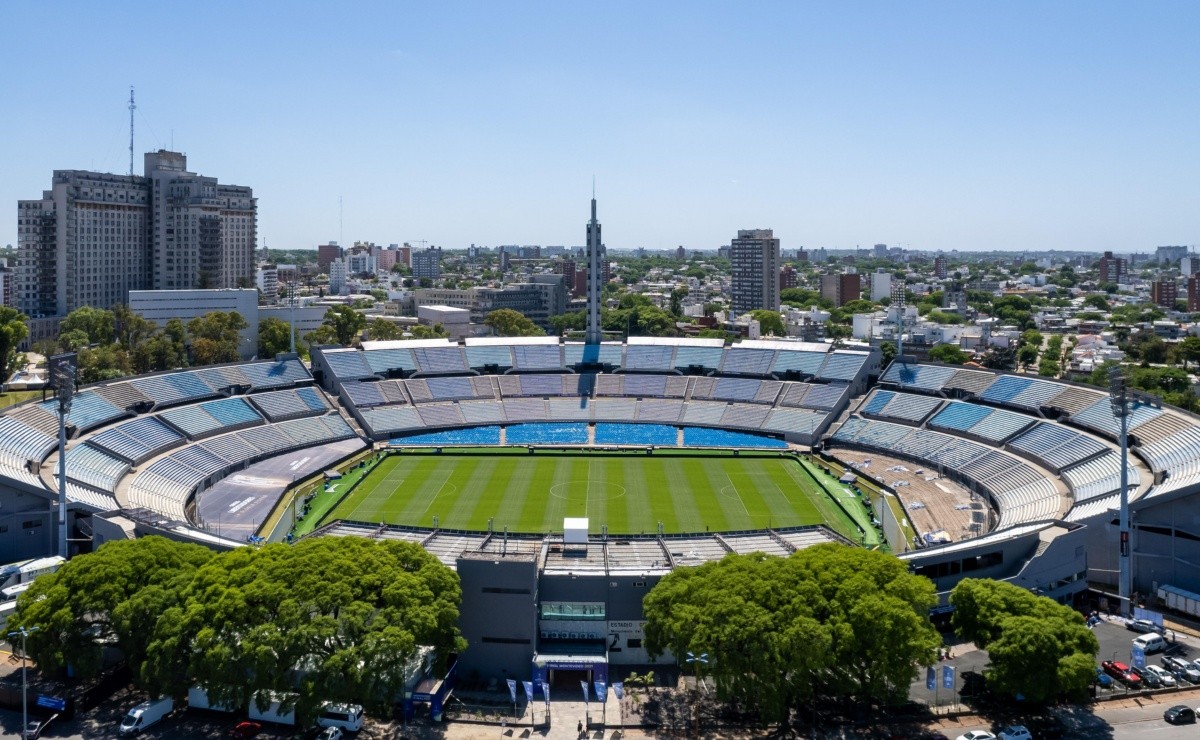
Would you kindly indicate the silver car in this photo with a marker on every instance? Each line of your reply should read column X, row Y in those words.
column 1163, row 674
column 1182, row 669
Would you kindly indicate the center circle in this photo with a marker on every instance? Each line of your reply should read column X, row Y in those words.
column 584, row 491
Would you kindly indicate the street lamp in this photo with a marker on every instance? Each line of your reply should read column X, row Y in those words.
column 24, row 632
column 1125, row 401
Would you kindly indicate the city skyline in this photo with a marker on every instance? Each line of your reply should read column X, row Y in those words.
column 1020, row 127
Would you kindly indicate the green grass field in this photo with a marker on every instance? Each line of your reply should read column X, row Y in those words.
column 630, row 493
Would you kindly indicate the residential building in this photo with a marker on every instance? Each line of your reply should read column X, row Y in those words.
column 1170, row 255
column 1189, row 265
column 1163, row 293
column 788, row 278
column 267, row 281
column 94, row 237
column 337, row 276
column 755, row 276
column 881, row 284
column 385, row 259
column 1114, row 269
column 1193, row 293
column 427, row 263
column 881, row 252
column 326, row 254
column 841, row 289
column 940, row 267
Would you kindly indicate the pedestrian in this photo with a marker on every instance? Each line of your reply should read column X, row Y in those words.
column 579, row 728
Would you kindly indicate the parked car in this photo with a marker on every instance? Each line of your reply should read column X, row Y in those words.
column 1016, row 732
column 1103, row 679
column 976, row 735
column 1142, row 625
column 1121, row 672
column 1164, row 676
column 1181, row 669
column 34, row 729
column 331, row 733
column 1180, row 715
column 145, row 715
column 1150, row 679
column 245, row 730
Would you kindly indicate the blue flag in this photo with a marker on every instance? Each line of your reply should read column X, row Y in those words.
column 931, row 678
column 601, row 691
column 947, row 677
column 583, row 685
column 546, row 692
column 512, row 689
column 528, row 690
column 619, row 690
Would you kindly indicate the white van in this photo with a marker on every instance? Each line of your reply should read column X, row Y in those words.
column 348, row 717
column 146, row 714
column 1150, row 642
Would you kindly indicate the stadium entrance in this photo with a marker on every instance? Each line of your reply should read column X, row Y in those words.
column 565, row 672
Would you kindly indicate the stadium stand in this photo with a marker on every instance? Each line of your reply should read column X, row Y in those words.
column 495, row 357
column 930, row 378
column 635, row 434
column 471, row 437
column 689, row 358
column 88, row 411
column 969, row 382
column 1056, row 446
column 742, row 361
column 578, row 354
column 903, row 406
column 648, row 358
column 91, row 467
column 659, row 410
column 701, row 437
column 547, row 434
column 538, row 357
column 138, row 440
column 267, row 375
column 382, row 361
column 440, row 360
column 364, row 395
column 289, row 404
column 38, row 417
column 843, row 365
column 991, row 425
column 121, row 395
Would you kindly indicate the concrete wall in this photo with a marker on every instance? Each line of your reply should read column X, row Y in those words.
column 498, row 616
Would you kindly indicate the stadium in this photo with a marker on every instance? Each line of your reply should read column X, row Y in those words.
column 562, row 480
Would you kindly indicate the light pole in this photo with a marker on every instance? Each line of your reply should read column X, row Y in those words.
column 62, row 377
column 24, row 633
column 898, row 298
column 1124, row 401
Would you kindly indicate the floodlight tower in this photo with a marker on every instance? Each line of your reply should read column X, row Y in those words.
column 595, row 260
column 1124, row 401
column 898, row 304
column 62, row 377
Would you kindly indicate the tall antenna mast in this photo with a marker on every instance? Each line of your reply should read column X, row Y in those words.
column 132, row 108
column 341, row 236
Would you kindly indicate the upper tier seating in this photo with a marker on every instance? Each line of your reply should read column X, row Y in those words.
column 121, row 395
column 88, row 410
column 993, row 425
column 706, row 358
column 265, row 375
column 842, row 365
column 746, row 361
column 909, row 407
column 971, row 382
column 349, row 364
column 89, row 466
column 384, row 361
column 211, row 417
column 649, row 357
column 1099, row 416
column 538, row 357
column 606, row 353
column 1057, row 446
column 288, row 404
column 138, row 440
column 923, row 377
column 490, row 355
column 440, row 360
column 804, row 363
column 364, row 395
column 1099, row 477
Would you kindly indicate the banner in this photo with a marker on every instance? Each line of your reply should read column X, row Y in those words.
column 601, row 692
column 947, row 677
column 583, row 685
column 1138, row 656
column 931, row 678
column 619, row 690
column 528, row 690
column 512, row 689
column 546, row 692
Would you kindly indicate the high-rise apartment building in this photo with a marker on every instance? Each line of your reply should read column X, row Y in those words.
column 881, row 284
column 1170, row 255
column 1114, row 269
column 1163, row 293
column 788, row 278
column 1193, row 293
column 93, row 237
column 755, row 256
column 326, row 254
column 940, row 267
column 841, row 289
column 427, row 263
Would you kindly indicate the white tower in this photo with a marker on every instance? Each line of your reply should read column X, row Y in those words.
column 595, row 262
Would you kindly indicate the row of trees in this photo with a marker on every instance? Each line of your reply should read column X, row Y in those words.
column 840, row 624
column 336, row 618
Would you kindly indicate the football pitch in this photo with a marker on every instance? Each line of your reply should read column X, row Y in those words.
column 631, row 493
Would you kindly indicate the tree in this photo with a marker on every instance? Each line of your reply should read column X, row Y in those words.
column 1189, row 350
column 97, row 325
column 1027, row 355
column 351, row 612
column 1039, row 649
column 113, row 594
column 345, row 325
column 216, row 337
column 677, row 296
column 888, row 352
column 949, row 354
column 572, row 321
column 506, row 322
column 131, row 330
column 1096, row 301
column 769, row 322
column 828, row 621
column 274, row 336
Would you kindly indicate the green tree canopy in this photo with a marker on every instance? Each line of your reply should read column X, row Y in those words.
column 769, row 322
column 1039, row 649
column 112, row 595
column 13, row 330
column 274, row 336
column 96, row 324
column 949, row 354
column 509, row 323
column 1096, row 301
column 829, row 620
column 342, row 325
column 347, row 612
column 216, row 336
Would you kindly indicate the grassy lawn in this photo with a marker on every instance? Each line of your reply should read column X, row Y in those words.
column 12, row 398
column 631, row 493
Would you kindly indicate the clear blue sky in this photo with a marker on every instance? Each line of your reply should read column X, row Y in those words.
column 969, row 125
